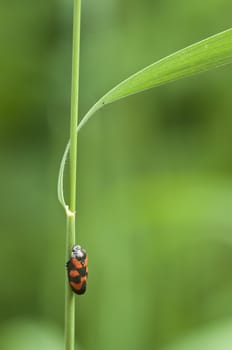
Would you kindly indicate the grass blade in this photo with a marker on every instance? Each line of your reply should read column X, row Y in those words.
column 204, row 55
column 210, row 53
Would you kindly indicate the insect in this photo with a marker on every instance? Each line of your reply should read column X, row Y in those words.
column 77, row 268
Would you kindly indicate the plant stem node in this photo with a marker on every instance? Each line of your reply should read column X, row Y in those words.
column 69, row 213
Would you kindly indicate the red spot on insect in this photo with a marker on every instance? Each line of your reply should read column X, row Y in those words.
column 73, row 273
column 76, row 263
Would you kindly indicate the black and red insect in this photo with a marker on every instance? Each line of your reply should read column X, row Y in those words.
column 77, row 268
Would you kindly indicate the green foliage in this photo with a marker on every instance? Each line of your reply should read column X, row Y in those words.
column 214, row 337
column 23, row 334
column 204, row 55
column 154, row 192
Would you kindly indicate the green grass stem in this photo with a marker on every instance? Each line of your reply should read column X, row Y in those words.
column 71, row 211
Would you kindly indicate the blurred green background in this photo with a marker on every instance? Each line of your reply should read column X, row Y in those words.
column 154, row 179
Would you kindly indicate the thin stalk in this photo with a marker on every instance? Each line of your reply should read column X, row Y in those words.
column 71, row 211
column 74, row 102
column 69, row 296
